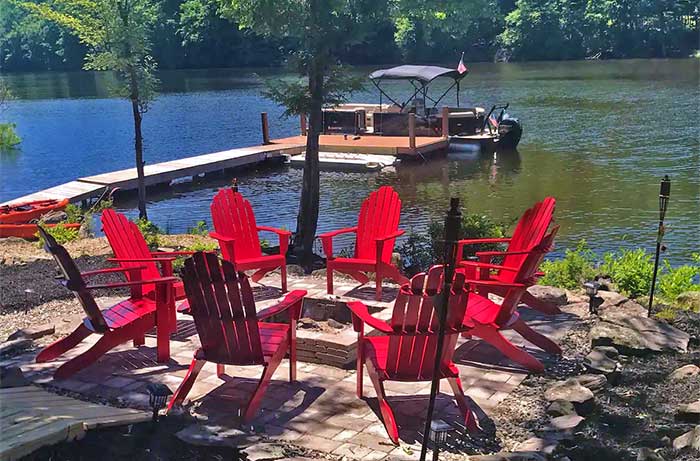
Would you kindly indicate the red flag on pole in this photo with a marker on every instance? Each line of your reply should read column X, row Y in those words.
column 461, row 68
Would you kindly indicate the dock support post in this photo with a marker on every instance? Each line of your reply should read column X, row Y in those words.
column 412, row 131
column 265, row 128
column 302, row 121
column 445, row 122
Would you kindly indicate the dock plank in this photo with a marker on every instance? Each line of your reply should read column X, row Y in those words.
column 74, row 190
column 371, row 144
column 31, row 417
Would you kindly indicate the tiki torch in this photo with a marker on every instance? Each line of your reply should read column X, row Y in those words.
column 664, row 195
column 452, row 226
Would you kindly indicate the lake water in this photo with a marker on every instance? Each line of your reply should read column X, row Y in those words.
column 598, row 136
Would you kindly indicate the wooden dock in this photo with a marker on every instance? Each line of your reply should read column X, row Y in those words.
column 372, row 144
column 31, row 418
column 165, row 172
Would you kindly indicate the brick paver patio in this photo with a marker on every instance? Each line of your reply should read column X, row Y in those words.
column 320, row 410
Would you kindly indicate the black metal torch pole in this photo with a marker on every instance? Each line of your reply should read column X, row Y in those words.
column 664, row 195
column 452, row 226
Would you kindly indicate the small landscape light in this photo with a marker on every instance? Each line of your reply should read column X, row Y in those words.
column 158, row 397
column 594, row 301
column 439, row 430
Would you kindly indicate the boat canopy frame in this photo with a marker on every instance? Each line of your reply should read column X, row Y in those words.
column 420, row 77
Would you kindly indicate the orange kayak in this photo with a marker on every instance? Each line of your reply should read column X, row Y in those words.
column 28, row 231
column 19, row 213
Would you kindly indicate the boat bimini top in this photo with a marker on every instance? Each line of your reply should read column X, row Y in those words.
column 420, row 78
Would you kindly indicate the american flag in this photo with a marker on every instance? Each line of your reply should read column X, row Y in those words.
column 461, row 68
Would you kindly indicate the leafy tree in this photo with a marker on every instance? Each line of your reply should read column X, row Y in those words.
column 321, row 29
column 118, row 34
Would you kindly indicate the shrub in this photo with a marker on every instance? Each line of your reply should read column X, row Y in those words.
column 8, row 137
column 61, row 233
column 630, row 270
column 416, row 253
column 473, row 226
column 675, row 281
column 179, row 263
column 151, row 232
column 572, row 271
column 199, row 229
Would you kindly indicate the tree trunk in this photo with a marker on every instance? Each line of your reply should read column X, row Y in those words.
column 307, row 219
column 138, row 144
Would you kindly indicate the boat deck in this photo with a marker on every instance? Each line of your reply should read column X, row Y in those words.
column 371, row 144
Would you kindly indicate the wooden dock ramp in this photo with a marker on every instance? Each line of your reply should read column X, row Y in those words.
column 31, row 418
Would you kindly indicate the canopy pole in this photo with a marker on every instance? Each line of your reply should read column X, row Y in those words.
column 458, row 93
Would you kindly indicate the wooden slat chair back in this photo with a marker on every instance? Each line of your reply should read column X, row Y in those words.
column 404, row 348
column 487, row 320
column 379, row 216
column 128, row 243
column 233, row 215
column 73, row 280
column 127, row 320
column 222, row 305
column 230, row 330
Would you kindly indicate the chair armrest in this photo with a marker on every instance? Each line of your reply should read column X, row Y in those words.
column 480, row 265
column 491, row 254
column 291, row 300
column 162, row 280
column 111, row 270
column 493, row 283
column 221, row 238
column 282, row 234
column 140, row 260
column 462, row 243
column 159, row 254
column 361, row 315
column 327, row 239
column 275, row 230
column 393, row 235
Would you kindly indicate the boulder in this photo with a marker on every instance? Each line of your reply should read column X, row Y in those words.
column 216, row 436
column 611, row 299
column 561, row 408
column 12, row 377
column 265, row 451
column 684, row 372
column 536, row 444
column 647, row 454
column 572, row 391
column 593, row 382
column 15, row 345
column 333, row 323
column 689, row 300
column 35, row 332
column 636, row 335
column 564, row 423
column 690, row 439
column 627, row 308
column 548, row 294
column 689, row 412
column 602, row 360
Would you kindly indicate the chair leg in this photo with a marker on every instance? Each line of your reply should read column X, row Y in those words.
column 494, row 337
column 140, row 340
column 360, row 363
column 220, row 370
column 87, row 358
column 378, row 287
column 470, row 420
column 394, row 274
column 187, row 383
column 387, row 413
column 540, row 305
column 283, row 276
column 292, row 352
column 329, row 279
column 256, row 398
column 58, row 348
column 536, row 338
column 259, row 274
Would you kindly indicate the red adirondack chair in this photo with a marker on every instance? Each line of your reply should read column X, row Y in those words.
column 487, row 319
column 127, row 320
column 405, row 349
column 131, row 250
column 529, row 232
column 229, row 329
column 376, row 231
column 237, row 233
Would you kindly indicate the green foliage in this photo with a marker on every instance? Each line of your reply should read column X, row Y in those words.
column 8, row 137
column 572, row 271
column 416, row 252
column 151, row 232
column 199, row 229
column 203, row 245
column 631, row 270
column 675, row 281
column 61, row 233
column 474, row 226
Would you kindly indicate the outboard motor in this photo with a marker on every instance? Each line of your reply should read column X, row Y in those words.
column 509, row 132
